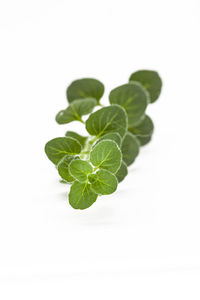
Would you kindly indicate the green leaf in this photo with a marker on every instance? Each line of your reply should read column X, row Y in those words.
column 130, row 148
column 57, row 148
column 106, row 155
column 81, row 139
column 150, row 80
column 75, row 111
column 103, row 182
column 63, row 168
column 114, row 136
column 85, row 88
column 143, row 140
column 133, row 98
column 144, row 129
column 122, row 172
column 81, row 195
column 80, row 169
column 112, row 118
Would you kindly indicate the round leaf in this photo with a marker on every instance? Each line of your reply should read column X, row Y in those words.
column 63, row 168
column 122, row 172
column 150, row 80
column 144, row 129
column 81, row 195
column 103, row 182
column 80, row 169
column 130, row 148
column 106, row 155
column 143, row 140
column 114, row 136
column 85, row 88
column 75, row 111
column 57, row 148
column 81, row 139
column 112, row 118
column 133, row 98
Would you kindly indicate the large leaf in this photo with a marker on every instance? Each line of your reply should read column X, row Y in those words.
column 133, row 98
column 106, row 155
column 85, row 88
column 75, row 111
column 150, row 80
column 112, row 118
column 114, row 136
column 80, row 169
column 130, row 148
column 63, row 168
column 122, row 172
column 57, row 148
column 103, row 182
column 82, row 139
column 81, row 195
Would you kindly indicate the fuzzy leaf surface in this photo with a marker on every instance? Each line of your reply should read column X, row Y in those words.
column 81, row 196
column 85, row 88
column 133, row 98
column 122, row 172
column 103, row 182
column 112, row 118
column 81, row 139
column 149, row 80
column 106, row 155
column 75, row 111
column 63, row 168
column 57, row 148
column 114, row 136
column 130, row 148
column 80, row 169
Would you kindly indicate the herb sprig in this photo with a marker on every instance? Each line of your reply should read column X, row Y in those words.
column 95, row 164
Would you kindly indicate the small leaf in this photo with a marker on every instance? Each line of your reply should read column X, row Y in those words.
column 57, row 148
column 150, row 80
column 85, row 88
column 106, row 155
column 130, row 148
column 81, row 139
column 145, row 128
column 80, row 169
column 112, row 118
column 143, row 140
column 103, row 182
column 81, row 195
column 75, row 111
column 133, row 98
column 122, row 172
column 114, row 136
column 63, row 168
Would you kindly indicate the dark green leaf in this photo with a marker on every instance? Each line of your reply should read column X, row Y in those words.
column 57, row 148
column 63, row 168
column 103, row 182
column 106, row 155
column 122, row 172
column 75, row 111
column 112, row 118
column 114, row 136
column 144, row 129
column 130, row 148
column 80, row 169
column 82, row 139
column 85, row 88
column 150, row 80
column 81, row 195
column 133, row 98
column 143, row 140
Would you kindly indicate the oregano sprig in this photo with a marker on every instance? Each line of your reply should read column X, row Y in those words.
column 94, row 165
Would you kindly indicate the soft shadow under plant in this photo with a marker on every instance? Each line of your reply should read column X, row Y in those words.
column 95, row 164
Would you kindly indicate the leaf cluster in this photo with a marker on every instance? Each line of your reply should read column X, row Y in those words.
column 95, row 164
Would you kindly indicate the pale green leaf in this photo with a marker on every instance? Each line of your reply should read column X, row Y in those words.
column 112, row 118
column 103, row 182
column 57, row 148
column 80, row 169
column 130, row 148
column 85, row 88
column 81, row 195
column 106, row 155
column 63, row 168
column 75, row 111
column 149, row 80
column 133, row 98
column 122, row 172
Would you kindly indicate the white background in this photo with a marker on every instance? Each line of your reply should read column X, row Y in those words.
column 143, row 242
